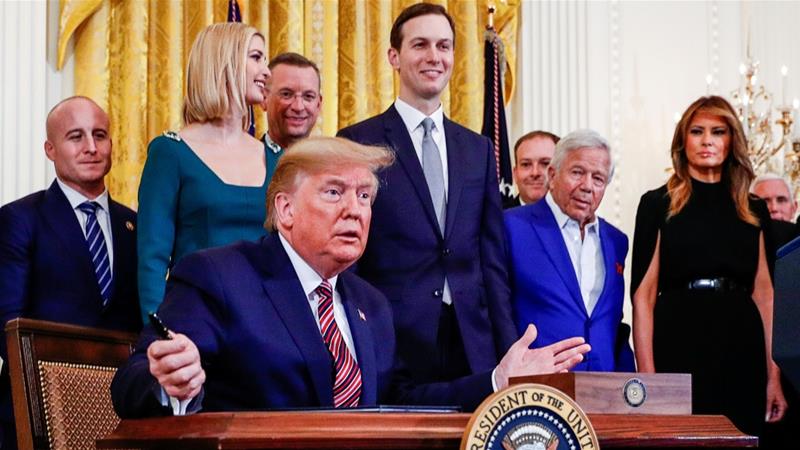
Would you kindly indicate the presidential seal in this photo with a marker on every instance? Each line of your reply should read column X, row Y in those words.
column 529, row 417
column 634, row 392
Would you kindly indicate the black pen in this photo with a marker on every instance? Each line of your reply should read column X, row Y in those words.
column 161, row 329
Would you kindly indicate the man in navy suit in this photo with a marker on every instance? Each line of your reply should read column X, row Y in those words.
column 436, row 243
column 46, row 264
column 567, row 263
column 248, row 319
column 251, row 329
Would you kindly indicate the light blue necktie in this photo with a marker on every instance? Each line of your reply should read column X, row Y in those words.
column 434, row 174
column 97, row 249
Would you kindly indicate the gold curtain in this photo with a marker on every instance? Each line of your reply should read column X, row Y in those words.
column 130, row 56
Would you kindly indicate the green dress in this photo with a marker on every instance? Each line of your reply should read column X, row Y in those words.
column 184, row 207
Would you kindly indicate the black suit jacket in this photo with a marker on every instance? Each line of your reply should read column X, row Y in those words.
column 511, row 202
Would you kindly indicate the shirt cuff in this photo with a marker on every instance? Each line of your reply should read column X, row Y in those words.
column 179, row 407
column 494, row 383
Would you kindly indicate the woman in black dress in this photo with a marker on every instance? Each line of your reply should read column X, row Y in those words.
column 701, row 287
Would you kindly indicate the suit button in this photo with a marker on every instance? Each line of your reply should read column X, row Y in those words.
column 438, row 293
column 445, row 252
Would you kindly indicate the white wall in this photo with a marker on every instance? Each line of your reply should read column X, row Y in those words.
column 29, row 87
column 625, row 68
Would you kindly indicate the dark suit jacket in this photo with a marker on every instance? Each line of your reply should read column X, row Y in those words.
column 245, row 309
column 545, row 289
column 46, row 271
column 782, row 232
column 511, row 202
column 407, row 257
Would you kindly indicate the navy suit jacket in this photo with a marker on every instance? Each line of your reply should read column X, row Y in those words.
column 407, row 257
column 245, row 309
column 545, row 289
column 46, row 270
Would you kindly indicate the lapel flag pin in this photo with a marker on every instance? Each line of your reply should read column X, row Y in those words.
column 361, row 315
column 129, row 225
column 620, row 269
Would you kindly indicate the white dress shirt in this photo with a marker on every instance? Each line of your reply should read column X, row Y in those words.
column 412, row 118
column 75, row 198
column 310, row 281
column 586, row 254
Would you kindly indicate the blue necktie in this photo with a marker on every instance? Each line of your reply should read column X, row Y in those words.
column 97, row 249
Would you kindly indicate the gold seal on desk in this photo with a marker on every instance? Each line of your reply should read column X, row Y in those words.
column 529, row 416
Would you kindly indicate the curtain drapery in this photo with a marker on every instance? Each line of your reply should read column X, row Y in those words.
column 130, row 56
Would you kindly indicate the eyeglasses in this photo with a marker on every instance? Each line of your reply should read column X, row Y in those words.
column 287, row 96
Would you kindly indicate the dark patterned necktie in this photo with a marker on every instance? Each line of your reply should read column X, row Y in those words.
column 97, row 249
column 347, row 375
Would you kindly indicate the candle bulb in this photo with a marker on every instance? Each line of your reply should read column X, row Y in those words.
column 784, row 73
column 709, row 79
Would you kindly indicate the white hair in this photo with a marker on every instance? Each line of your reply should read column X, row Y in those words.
column 578, row 139
column 769, row 177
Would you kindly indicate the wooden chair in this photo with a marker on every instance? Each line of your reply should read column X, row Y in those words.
column 60, row 380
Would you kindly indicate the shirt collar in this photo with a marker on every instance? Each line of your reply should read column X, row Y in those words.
column 412, row 117
column 75, row 198
column 272, row 145
column 309, row 278
column 563, row 220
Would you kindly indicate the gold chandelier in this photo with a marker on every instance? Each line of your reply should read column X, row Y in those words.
column 768, row 129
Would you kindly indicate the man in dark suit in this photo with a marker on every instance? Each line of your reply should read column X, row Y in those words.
column 532, row 154
column 281, row 323
column 567, row 263
column 777, row 193
column 49, row 269
column 436, row 243
column 266, row 331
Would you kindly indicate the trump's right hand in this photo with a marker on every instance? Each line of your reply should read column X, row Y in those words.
column 175, row 363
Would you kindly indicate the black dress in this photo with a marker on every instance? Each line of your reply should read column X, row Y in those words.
column 717, row 336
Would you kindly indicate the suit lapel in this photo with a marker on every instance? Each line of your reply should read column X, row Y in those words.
column 363, row 341
column 60, row 218
column 283, row 289
column 608, row 261
column 544, row 225
column 455, row 168
column 398, row 138
column 122, row 239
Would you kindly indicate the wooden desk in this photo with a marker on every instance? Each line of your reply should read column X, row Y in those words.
column 359, row 430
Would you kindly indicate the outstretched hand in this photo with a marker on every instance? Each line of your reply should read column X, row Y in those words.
column 520, row 360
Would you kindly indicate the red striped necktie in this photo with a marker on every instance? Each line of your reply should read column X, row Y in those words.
column 347, row 375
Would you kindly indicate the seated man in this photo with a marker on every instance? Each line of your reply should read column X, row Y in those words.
column 532, row 154
column 279, row 323
column 567, row 263
column 68, row 254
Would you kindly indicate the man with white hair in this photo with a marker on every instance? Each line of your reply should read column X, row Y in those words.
column 566, row 263
column 777, row 192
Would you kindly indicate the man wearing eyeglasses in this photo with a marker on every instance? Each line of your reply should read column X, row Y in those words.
column 292, row 101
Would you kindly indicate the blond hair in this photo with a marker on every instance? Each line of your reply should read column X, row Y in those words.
column 315, row 155
column 736, row 169
column 216, row 75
